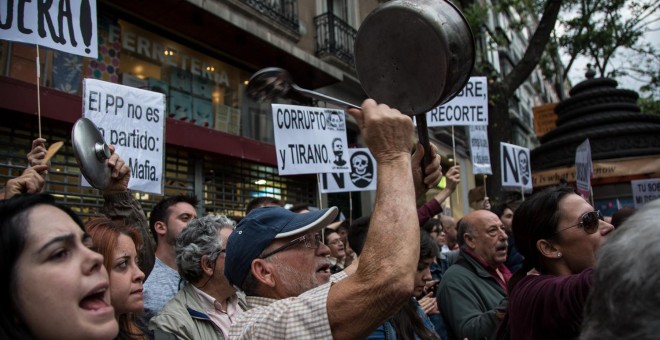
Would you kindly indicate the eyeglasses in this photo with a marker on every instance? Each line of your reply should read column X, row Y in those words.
column 311, row 241
column 588, row 221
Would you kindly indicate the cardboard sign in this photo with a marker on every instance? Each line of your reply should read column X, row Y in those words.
column 479, row 150
column 469, row 107
column 645, row 190
column 133, row 120
column 583, row 168
column 64, row 25
column 516, row 167
column 361, row 178
column 310, row 140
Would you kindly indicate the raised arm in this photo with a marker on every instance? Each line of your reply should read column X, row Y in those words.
column 434, row 206
column 385, row 276
column 118, row 203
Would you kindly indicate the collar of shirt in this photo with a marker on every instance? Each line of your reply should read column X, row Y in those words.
column 501, row 280
column 222, row 319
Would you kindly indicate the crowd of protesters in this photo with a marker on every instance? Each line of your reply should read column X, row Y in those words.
column 401, row 272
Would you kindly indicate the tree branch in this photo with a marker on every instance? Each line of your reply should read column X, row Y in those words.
column 534, row 50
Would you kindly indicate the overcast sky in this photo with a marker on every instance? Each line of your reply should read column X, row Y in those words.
column 579, row 66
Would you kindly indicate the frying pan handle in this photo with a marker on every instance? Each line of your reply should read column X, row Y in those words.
column 423, row 136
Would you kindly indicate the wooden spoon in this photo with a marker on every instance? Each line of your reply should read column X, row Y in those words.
column 52, row 150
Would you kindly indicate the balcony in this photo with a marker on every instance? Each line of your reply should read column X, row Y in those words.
column 284, row 12
column 334, row 38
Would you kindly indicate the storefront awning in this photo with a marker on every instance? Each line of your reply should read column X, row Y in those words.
column 649, row 166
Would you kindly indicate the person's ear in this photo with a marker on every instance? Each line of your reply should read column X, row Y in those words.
column 263, row 271
column 208, row 266
column 161, row 228
column 548, row 249
column 470, row 241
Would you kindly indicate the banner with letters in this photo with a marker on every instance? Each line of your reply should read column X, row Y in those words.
column 645, row 191
column 469, row 107
column 310, row 140
column 133, row 120
column 64, row 25
column 479, row 150
column 516, row 167
column 583, row 168
column 361, row 178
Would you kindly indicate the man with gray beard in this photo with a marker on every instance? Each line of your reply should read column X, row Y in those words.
column 472, row 295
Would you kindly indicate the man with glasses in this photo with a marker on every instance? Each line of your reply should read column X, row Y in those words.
column 472, row 294
column 205, row 307
column 277, row 257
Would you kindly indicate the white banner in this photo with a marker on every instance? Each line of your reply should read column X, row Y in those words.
column 309, row 140
column 469, row 107
column 361, row 178
column 133, row 120
column 516, row 167
column 479, row 150
column 64, row 25
column 645, row 190
column 583, row 168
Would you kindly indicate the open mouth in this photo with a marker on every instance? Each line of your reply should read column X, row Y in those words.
column 324, row 269
column 95, row 300
column 501, row 247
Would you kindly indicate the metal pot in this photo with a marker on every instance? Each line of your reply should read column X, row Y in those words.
column 414, row 55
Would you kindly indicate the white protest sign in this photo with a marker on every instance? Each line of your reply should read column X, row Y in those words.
column 361, row 178
column 645, row 190
column 515, row 165
column 309, row 140
column 583, row 168
column 469, row 107
column 133, row 120
column 64, row 25
column 479, row 150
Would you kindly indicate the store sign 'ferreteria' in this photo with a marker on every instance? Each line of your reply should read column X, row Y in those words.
column 169, row 56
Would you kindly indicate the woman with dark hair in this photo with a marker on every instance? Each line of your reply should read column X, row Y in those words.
column 558, row 233
column 411, row 321
column 54, row 286
column 119, row 244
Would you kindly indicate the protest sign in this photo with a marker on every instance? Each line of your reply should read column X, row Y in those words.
column 515, row 165
column 469, row 107
column 479, row 150
column 64, row 25
column 133, row 120
column 645, row 190
column 583, row 168
column 361, row 178
column 309, row 140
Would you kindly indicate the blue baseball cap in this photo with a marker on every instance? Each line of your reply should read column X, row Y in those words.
column 260, row 228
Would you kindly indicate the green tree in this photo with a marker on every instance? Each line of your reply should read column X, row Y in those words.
column 501, row 88
column 597, row 29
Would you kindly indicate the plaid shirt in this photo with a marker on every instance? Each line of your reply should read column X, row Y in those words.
column 301, row 317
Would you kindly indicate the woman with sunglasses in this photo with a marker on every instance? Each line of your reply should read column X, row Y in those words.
column 558, row 233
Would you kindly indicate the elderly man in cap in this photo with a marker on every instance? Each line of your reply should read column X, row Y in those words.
column 278, row 258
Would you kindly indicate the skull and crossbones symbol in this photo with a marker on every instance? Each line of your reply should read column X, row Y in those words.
column 360, row 175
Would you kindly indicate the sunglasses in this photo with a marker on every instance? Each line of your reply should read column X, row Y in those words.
column 588, row 221
column 311, row 242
